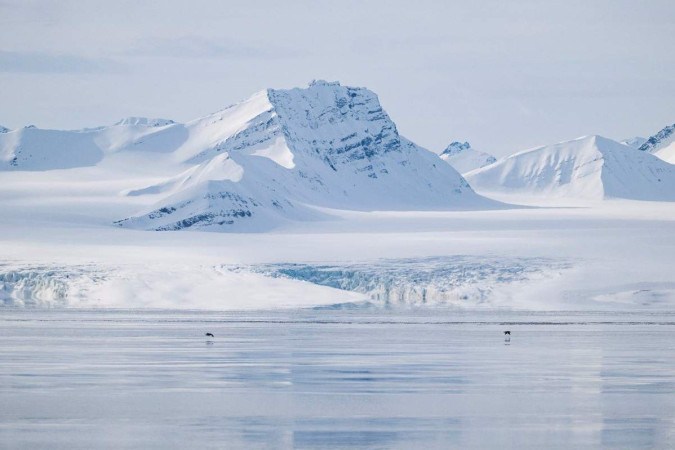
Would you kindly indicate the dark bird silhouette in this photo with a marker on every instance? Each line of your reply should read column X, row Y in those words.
column 209, row 334
column 507, row 332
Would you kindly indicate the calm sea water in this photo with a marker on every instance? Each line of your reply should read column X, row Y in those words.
column 336, row 379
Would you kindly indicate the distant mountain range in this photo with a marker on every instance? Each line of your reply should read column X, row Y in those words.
column 266, row 160
column 291, row 155
column 464, row 158
column 662, row 144
column 634, row 142
column 591, row 167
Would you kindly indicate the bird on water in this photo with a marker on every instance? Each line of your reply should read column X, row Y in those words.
column 209, row 334
column 507, row 332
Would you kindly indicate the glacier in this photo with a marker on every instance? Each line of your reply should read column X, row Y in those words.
column 463, row 281
column 458, row 280
column 46, row 286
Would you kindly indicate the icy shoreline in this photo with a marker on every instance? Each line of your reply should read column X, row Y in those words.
column 461, row 281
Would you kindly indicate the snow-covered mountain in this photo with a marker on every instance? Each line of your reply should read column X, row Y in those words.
column 31, row 148
column 35, row 149
column 662, row 144
column 463, row 158
column 145, row 121
column 3, row 129
column 591, row 167
column 263, row 160
column 634, row 142
column 258, row 163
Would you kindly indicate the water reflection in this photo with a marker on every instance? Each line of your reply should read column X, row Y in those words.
column 338, row 379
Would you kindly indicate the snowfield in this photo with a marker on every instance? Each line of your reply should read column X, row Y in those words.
column 325, row 204
column 613, row 255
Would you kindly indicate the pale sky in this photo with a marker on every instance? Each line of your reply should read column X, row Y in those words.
column 504, row 75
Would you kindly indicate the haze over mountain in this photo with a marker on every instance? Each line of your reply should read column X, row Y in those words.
column 590, row 167
column 439, row 64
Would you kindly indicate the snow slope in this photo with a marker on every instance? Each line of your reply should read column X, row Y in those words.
column 662, row 144
column 591, row 167
column 31, row 148
column 35, row 149
column 634, row 142
column 463, row 158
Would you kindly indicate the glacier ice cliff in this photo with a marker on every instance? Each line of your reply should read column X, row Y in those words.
column 455, row 280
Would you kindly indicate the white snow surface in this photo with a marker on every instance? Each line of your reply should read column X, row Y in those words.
column 464, row 158
column 635, row 142
column 590, row 167
column 667, row 153
column 615, row 255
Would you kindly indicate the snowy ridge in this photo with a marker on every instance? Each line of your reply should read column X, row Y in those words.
column 662, row 144
column 455, row 148
column 221, row 205
column 463, row 158
column 635, row 142
column 34, row 149
column 144, row 122
column 590, row 167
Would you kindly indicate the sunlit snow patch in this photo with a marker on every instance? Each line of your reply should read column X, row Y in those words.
column 278, row 152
